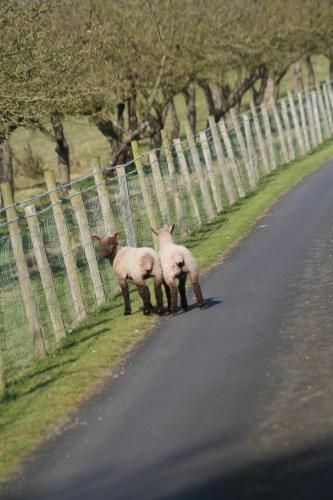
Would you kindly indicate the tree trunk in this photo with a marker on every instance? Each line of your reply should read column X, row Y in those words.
column 62, row 149
column 221, row 98
column 297, row 74
column 6, row 166
column 120, row 150
column 155, row 140
column 208, row 95
column 272, row 87
column 271, row 91
column 131, row 113
column 175, row 130
column 218, row 95
column 190, row 100
column 310, row 70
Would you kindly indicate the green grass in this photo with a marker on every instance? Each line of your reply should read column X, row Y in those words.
column 39, row 402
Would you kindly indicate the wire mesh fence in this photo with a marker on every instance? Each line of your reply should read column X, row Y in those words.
column 49, row 247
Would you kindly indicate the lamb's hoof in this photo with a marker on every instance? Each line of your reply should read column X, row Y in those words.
column 146, row 312
column 160, row 312
column 185, row 307
column 202, row 306
column 127, row 313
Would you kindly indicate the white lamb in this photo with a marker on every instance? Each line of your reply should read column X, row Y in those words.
column 177, row 262
column 136, row 264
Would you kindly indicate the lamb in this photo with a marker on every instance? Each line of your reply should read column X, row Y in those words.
column 136, row 264
column 177, row 262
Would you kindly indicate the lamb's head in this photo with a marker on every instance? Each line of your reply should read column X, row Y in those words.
column 164, row 234
column 108, row 244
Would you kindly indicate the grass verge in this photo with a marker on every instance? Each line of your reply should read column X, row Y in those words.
column 36, row 405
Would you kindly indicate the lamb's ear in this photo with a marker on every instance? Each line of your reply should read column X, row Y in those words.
column 154, row 231
column 96, row 238
column 116, row 236
column 171, row 228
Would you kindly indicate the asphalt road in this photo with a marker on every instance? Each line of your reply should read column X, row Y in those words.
column 234, row 402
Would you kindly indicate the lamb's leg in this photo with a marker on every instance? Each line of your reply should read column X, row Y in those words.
column 173, row 295
column 167, row 293
column 182, row 291
column 158, row 295
column 197, row 289
column 145, row 295
column 124, row 290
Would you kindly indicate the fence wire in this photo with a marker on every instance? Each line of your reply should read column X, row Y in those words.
column 169, row 194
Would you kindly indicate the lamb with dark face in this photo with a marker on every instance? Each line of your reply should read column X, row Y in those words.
column 136, row 264
column 177, row 262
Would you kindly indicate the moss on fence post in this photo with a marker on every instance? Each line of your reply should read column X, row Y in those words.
column 45, row 273
column 104, row 201
column 174, row 183
column 207, row 202
column 66, row 249
column 228, row 187
column 210, row 172
column 144, row 189
column 23, row 273
column 87, row 244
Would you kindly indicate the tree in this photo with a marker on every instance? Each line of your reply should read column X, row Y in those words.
column 40, row 70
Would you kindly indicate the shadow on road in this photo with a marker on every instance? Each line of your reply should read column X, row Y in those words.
column 302, row 475
column 209, row 302
column 306, row 475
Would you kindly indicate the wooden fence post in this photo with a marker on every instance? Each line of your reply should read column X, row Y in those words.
column 198, row 169
column 316, row 116
column 303, row 122
column 174, row 184
column 330, row 94
column 269, row 137
column 244, row 152
column 281, row 133
column 229, row 190
column 145, row 194
column 296, row 124
column 187, row 179
column 309, row 112
column 125, row 206
column 231, row 156
column 328, row 109
column 210, row 171
column 104, row 201
column 261, row 142
column 322, row 111
column 87, row 244
column 23, row 273
column 159, row 187
column 288, row 130
column 45, row 273
column 66, row 248
column 250, row 147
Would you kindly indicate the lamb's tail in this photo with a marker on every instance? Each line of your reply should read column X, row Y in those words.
column 147, row 265
column 179, row 261
column 181, row 264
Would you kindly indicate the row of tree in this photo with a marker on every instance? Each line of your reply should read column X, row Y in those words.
column 122, row 62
